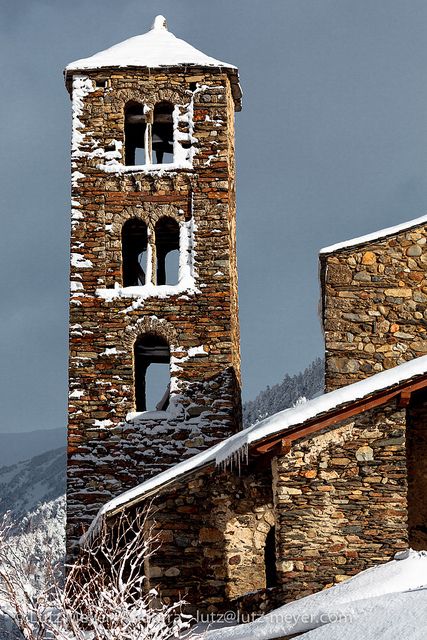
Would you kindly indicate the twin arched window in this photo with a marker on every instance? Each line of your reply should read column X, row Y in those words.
column 148, row 134
column 138, row 247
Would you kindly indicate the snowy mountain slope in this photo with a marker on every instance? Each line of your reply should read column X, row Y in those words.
column 24, row 485
column 22, row 446
column 306, row 384
column 38, row 542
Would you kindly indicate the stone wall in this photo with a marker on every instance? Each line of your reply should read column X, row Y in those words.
column 111, row 450
column 338, row 501
column 374, row 299
column 341, row 501
column 213, row 529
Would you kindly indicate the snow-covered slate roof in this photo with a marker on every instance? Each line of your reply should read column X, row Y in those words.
column 156, row 48
column 376, row 235
column 232, row 448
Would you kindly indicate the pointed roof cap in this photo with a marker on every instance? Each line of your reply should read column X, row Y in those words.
column 156, row 48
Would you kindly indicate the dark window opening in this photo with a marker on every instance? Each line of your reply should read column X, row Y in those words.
column 134, row 252
column 162, row 136
column 193, row 86
column 167, row 250
column 135, row 130
column 152, row 373
column 270, row 559
column 416, row 461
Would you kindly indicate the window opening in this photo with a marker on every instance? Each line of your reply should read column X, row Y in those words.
column 167, row 250
column 135, row 134
column 270, row 559
column 152, row 373
column 134, row 252
column 162, row 135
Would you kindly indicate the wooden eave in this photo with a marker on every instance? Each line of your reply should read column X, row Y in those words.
column 282, row 440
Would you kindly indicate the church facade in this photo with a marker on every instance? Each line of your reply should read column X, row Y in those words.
column 307, row 497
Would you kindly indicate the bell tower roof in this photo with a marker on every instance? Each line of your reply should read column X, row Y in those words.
column 155, row 49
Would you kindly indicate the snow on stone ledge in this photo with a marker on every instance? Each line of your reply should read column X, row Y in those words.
column 376, row 235
column 235, row 447
column 156, row 48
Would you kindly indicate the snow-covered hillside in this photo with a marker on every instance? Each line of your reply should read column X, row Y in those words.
column 24, row 485
column 38, row 543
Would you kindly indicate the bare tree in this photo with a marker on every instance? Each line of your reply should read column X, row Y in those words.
column 104, row 595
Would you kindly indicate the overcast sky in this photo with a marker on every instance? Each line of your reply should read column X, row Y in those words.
column 331, row 144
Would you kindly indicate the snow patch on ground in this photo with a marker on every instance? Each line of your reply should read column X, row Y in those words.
column 385, row 602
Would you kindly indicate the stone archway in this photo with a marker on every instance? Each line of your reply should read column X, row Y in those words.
column 245, row 537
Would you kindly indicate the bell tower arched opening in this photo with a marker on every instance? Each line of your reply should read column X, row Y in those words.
column 134, row 252
column 162, row 134
column 167, row 250
column 135, row 134
column 151, row 373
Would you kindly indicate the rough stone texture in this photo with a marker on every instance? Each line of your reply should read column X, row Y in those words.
column 341, row 505
column 213, row 529
column 107, row 452
column 374, row 306
column 338, row 514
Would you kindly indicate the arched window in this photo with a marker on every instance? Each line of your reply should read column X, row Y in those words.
column 167, row 250
column 152, row 373
column 135, row 135
column 162, row 134
column 270, row 559
column 134, row 252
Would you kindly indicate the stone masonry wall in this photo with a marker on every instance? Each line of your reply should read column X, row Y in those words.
column 110, row 449
column 341, row 501
column 213, row 529
column 338, row 501
column 374, row 299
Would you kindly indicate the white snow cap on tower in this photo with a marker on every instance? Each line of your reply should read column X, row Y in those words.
column 156, row 48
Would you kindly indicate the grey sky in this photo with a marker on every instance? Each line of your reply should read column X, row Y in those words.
column 331, row 143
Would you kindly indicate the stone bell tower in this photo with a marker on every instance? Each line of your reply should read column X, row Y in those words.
column 153, row 264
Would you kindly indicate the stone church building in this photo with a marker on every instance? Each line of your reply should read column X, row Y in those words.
column 299, row 501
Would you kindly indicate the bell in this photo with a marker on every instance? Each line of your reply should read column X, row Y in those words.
column 161, row 144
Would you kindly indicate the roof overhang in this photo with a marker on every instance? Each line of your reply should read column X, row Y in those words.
column 275, row 444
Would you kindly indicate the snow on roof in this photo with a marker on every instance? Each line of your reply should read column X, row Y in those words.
column 376, row 235
column 383, row 602
column 156, row 48
column 232, row 448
